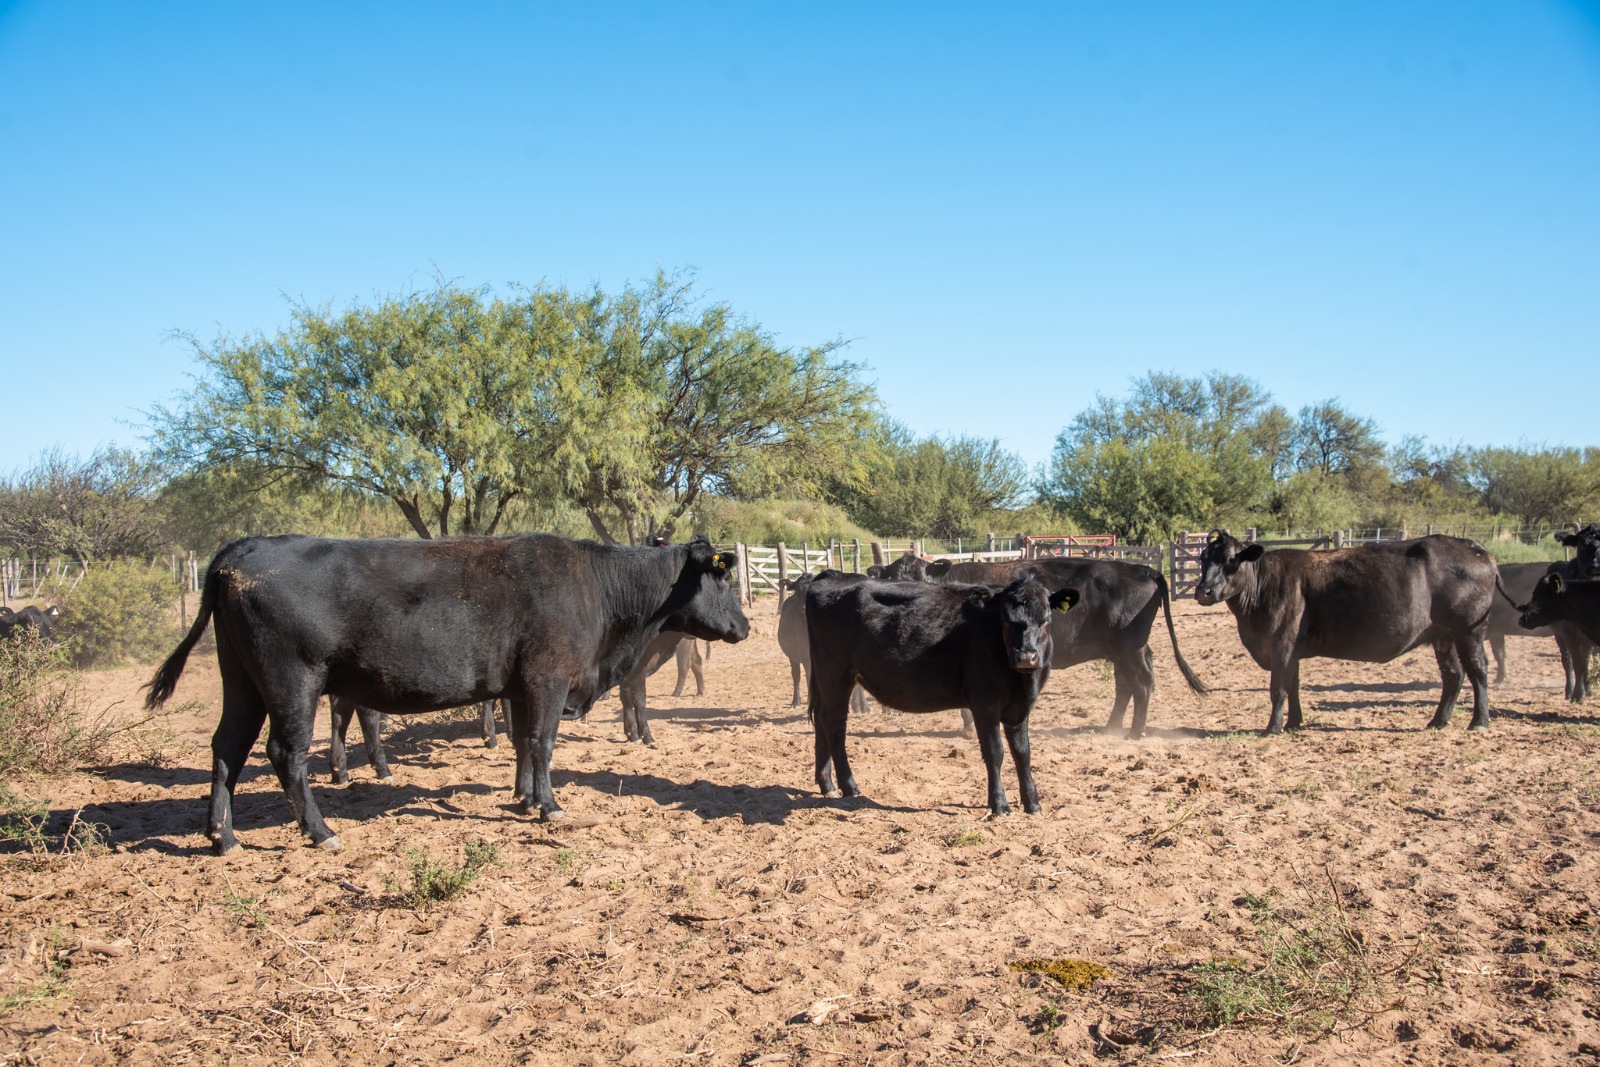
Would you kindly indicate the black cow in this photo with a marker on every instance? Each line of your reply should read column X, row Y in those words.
column 342, row 711
column 1574, row 646
column 412, row 626
column 666, row 646
column 1371, row 603
column 1519, row 580
column 1557, row 600
column 795, row 643
column 1112, row 622
column 41, row 621
column 930, row 648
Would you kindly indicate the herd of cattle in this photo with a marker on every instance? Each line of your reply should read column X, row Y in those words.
column 546, row 625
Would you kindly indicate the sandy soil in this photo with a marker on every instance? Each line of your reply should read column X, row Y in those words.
column 718, row 911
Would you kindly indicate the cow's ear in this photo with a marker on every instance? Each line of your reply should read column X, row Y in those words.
column 1569, row 539
column 1250, row 553
column 1063, row 600
column 939, row 568
column 875, row 571
column 980, row 594
column 1555, row 582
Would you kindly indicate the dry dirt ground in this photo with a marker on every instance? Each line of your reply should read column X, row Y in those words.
column 717, row 910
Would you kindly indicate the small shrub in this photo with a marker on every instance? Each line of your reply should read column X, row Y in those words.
column 433, row 882
column 1315, row 968
column 43, row 727
column 120, row 611
column 22, row 829
column 244, row 911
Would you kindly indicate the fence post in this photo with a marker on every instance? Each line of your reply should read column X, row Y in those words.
column 783, row 570
column 745, row 592
column 856, row 544
column 989, row 547
column 877, row 554
column 1338, row 539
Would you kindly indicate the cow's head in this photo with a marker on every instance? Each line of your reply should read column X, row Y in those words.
column 704, row 602
column 1023, row 611
column 1225, row 564
column 1586, row 546
column 908, row 568
column 1547, row 605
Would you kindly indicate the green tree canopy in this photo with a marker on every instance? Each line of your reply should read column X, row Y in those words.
column 936, row 486
column 456, row 406
column 1179, row 453
column 1536, row 485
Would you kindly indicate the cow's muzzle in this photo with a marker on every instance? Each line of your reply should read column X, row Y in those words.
column 1025, row 661
column 1203, row 598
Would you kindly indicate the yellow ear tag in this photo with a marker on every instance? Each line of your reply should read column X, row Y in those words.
column 1064, row 607
column 716, row 561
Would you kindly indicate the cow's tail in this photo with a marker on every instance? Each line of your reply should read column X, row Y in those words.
column 166, row 676
column 1183, row 665
column 1502, row 590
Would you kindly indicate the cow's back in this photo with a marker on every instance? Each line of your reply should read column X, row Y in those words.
column 1374, row 602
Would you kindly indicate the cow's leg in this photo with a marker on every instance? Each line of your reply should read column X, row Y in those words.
column 1497, row 646
column 491, row 736
column 635, row 725
column 1278, row 684
column 688, row 659
column 1144, row 683
column 641, row 721
column 1476, row 665
column 288, row 737
column 858, row 700
column 1580, row 649
column 988, row 725
column 1296, row 715
column 372, row 737
column 1122, row 679
column 830, row 714
column 339, row 715
column 1021, row 755
column 540, row 718
column 968, row 728
column 1450, row 675
column 1565, row 651
column 243, row 712
column 516, row 733
column 794, row 676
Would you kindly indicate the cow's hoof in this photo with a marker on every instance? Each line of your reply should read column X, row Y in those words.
column 1478, row 728
column 1435, row 724
column 650, row 742
column 491, row 742
column 1135, row 735
column 554, row 815
column 386, row 777
column 833, row 794
column 330, row 844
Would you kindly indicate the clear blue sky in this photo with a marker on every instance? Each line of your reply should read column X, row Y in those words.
column 1007, row 207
